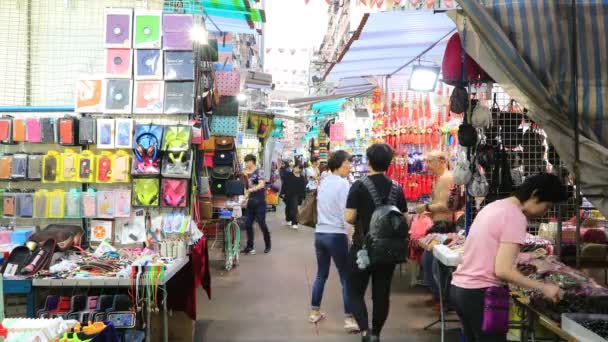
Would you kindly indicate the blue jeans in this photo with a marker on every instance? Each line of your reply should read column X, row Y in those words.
column 330, row 246
column 427, row 269
column 256, row 211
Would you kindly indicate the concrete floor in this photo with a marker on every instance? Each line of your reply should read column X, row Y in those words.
column 267, row 298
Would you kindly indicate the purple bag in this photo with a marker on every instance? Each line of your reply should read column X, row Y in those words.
column 496, row 310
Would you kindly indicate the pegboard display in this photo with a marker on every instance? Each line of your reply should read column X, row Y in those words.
column 521, row 146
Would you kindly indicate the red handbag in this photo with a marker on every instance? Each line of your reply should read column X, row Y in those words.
column 208, row 159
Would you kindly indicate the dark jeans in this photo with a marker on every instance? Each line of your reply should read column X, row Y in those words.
column 382, row 276
column 469, row 307
column 291, row 209
column 427, row 272
column 330, row 246
column 256, row 211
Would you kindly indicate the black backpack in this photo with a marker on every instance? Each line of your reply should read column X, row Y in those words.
column 387, row 239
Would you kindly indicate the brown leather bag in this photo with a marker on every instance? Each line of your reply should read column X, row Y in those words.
column 224, row 143
column 206, row 207
column 66, row 236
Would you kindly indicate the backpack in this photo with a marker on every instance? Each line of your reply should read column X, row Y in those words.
column 387, row 239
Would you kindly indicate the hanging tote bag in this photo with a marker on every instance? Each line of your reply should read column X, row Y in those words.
column 228, row 106
column 307, row 215
column 228, row 82
column 496, row 310
column 224, row 126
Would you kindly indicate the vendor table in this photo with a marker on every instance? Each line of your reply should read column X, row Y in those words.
column 171, row 271
column 532, row 314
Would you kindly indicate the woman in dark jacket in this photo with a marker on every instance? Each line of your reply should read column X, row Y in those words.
column 292, row 192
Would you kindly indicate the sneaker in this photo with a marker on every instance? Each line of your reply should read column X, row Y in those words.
column 249, row 251
column 315, row 316
column 287, row 224
column 295, row 227
column 350, row 324
column 267, row 250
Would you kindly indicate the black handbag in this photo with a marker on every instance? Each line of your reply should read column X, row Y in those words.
column 222, row 172
column 218, row 187
column 228, row 106
column 235, row 187
column 223, row 158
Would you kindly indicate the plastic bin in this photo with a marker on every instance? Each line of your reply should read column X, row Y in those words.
column 19, row 237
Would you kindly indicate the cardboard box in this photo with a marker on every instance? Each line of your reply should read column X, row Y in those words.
column 181, row 327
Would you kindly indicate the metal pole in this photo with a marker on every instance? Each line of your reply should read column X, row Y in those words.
column 28, row 58
column 574, row 114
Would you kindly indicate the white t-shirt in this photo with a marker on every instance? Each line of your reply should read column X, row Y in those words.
column 331, row 204
column 310, row 174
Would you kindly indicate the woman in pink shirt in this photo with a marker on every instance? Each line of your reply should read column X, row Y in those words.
column 491, row 249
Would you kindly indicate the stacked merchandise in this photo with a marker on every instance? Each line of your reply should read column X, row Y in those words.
column 23, row 329
column 323, row 147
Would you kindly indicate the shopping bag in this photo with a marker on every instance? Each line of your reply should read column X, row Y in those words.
column 272, row 197
column 307, row 213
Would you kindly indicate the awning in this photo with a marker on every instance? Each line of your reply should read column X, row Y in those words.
column 346, row 88
column 386, row 41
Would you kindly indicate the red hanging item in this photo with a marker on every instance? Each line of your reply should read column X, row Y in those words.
column 427, row 107
column 452, row 64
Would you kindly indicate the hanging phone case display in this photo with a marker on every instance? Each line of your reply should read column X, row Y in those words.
column 177, row 138
column 68, row 131
column 145, row 192
column 121, row 166
column 87, row 131
column 148, row 28
column 89, row 203
column 148, row 97
column 105, row 133
column 103, row 164
column 105, row 204
column 56, row 204
column 73, row 203
column 124, row 133
column 50, row 166
column 34, row 166
column 123, row 203
column 33, row 130
column 117, row 96
column 88, row 96
column 179, row 97
column 146, row 148
column 41, row 203
column 119, row 63
column 8, row 204
column 174, row 193
column 19, row 130
column 177, row 30
column 47, row 130
column 6, row 135
column 177, row 164
column 6, row 164
column 25, row 204
column 100, row 230
column 148, row 64
column 19, row 166
column 86, row 170
column 69, row 166
column 118, row 27
column 179, row 66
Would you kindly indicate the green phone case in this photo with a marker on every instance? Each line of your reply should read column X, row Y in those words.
column 147, row 29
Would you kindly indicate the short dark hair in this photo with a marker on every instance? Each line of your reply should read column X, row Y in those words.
column 545, row 186
column 380, row 156
column 337, row 159
column 251, row 158
column 286, row 163
column 314, row 159
column 298, row 165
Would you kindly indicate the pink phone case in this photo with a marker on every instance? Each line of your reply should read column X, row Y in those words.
column 33, row 130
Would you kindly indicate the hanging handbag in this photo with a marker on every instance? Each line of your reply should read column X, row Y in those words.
column 224, row 126
column 206, row 208
column 228, row 82
column 496, row 310
column 235, row 187
column 218, row 187
column 228, row 106
column 223, row 158
column 224, row 143
column 222, row 172
column 209, row 144
column 208, row 159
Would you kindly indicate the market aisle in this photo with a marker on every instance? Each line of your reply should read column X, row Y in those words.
column 267, row 299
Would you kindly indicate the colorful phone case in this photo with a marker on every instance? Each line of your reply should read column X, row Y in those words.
column 33, row 130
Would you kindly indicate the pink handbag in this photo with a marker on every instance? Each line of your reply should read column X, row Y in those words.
column 228, row 82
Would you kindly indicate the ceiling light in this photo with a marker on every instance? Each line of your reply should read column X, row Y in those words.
column 241, row 97
column 198, row 34
column 424, row 78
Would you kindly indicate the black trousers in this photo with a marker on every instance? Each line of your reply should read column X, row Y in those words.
column 291, row 209
column 256, row 211
column 469, row 307
column 382, row 276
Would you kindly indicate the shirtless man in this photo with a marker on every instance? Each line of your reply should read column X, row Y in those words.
column 443, row 218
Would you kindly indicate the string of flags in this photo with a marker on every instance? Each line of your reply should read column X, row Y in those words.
column 412, row 3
